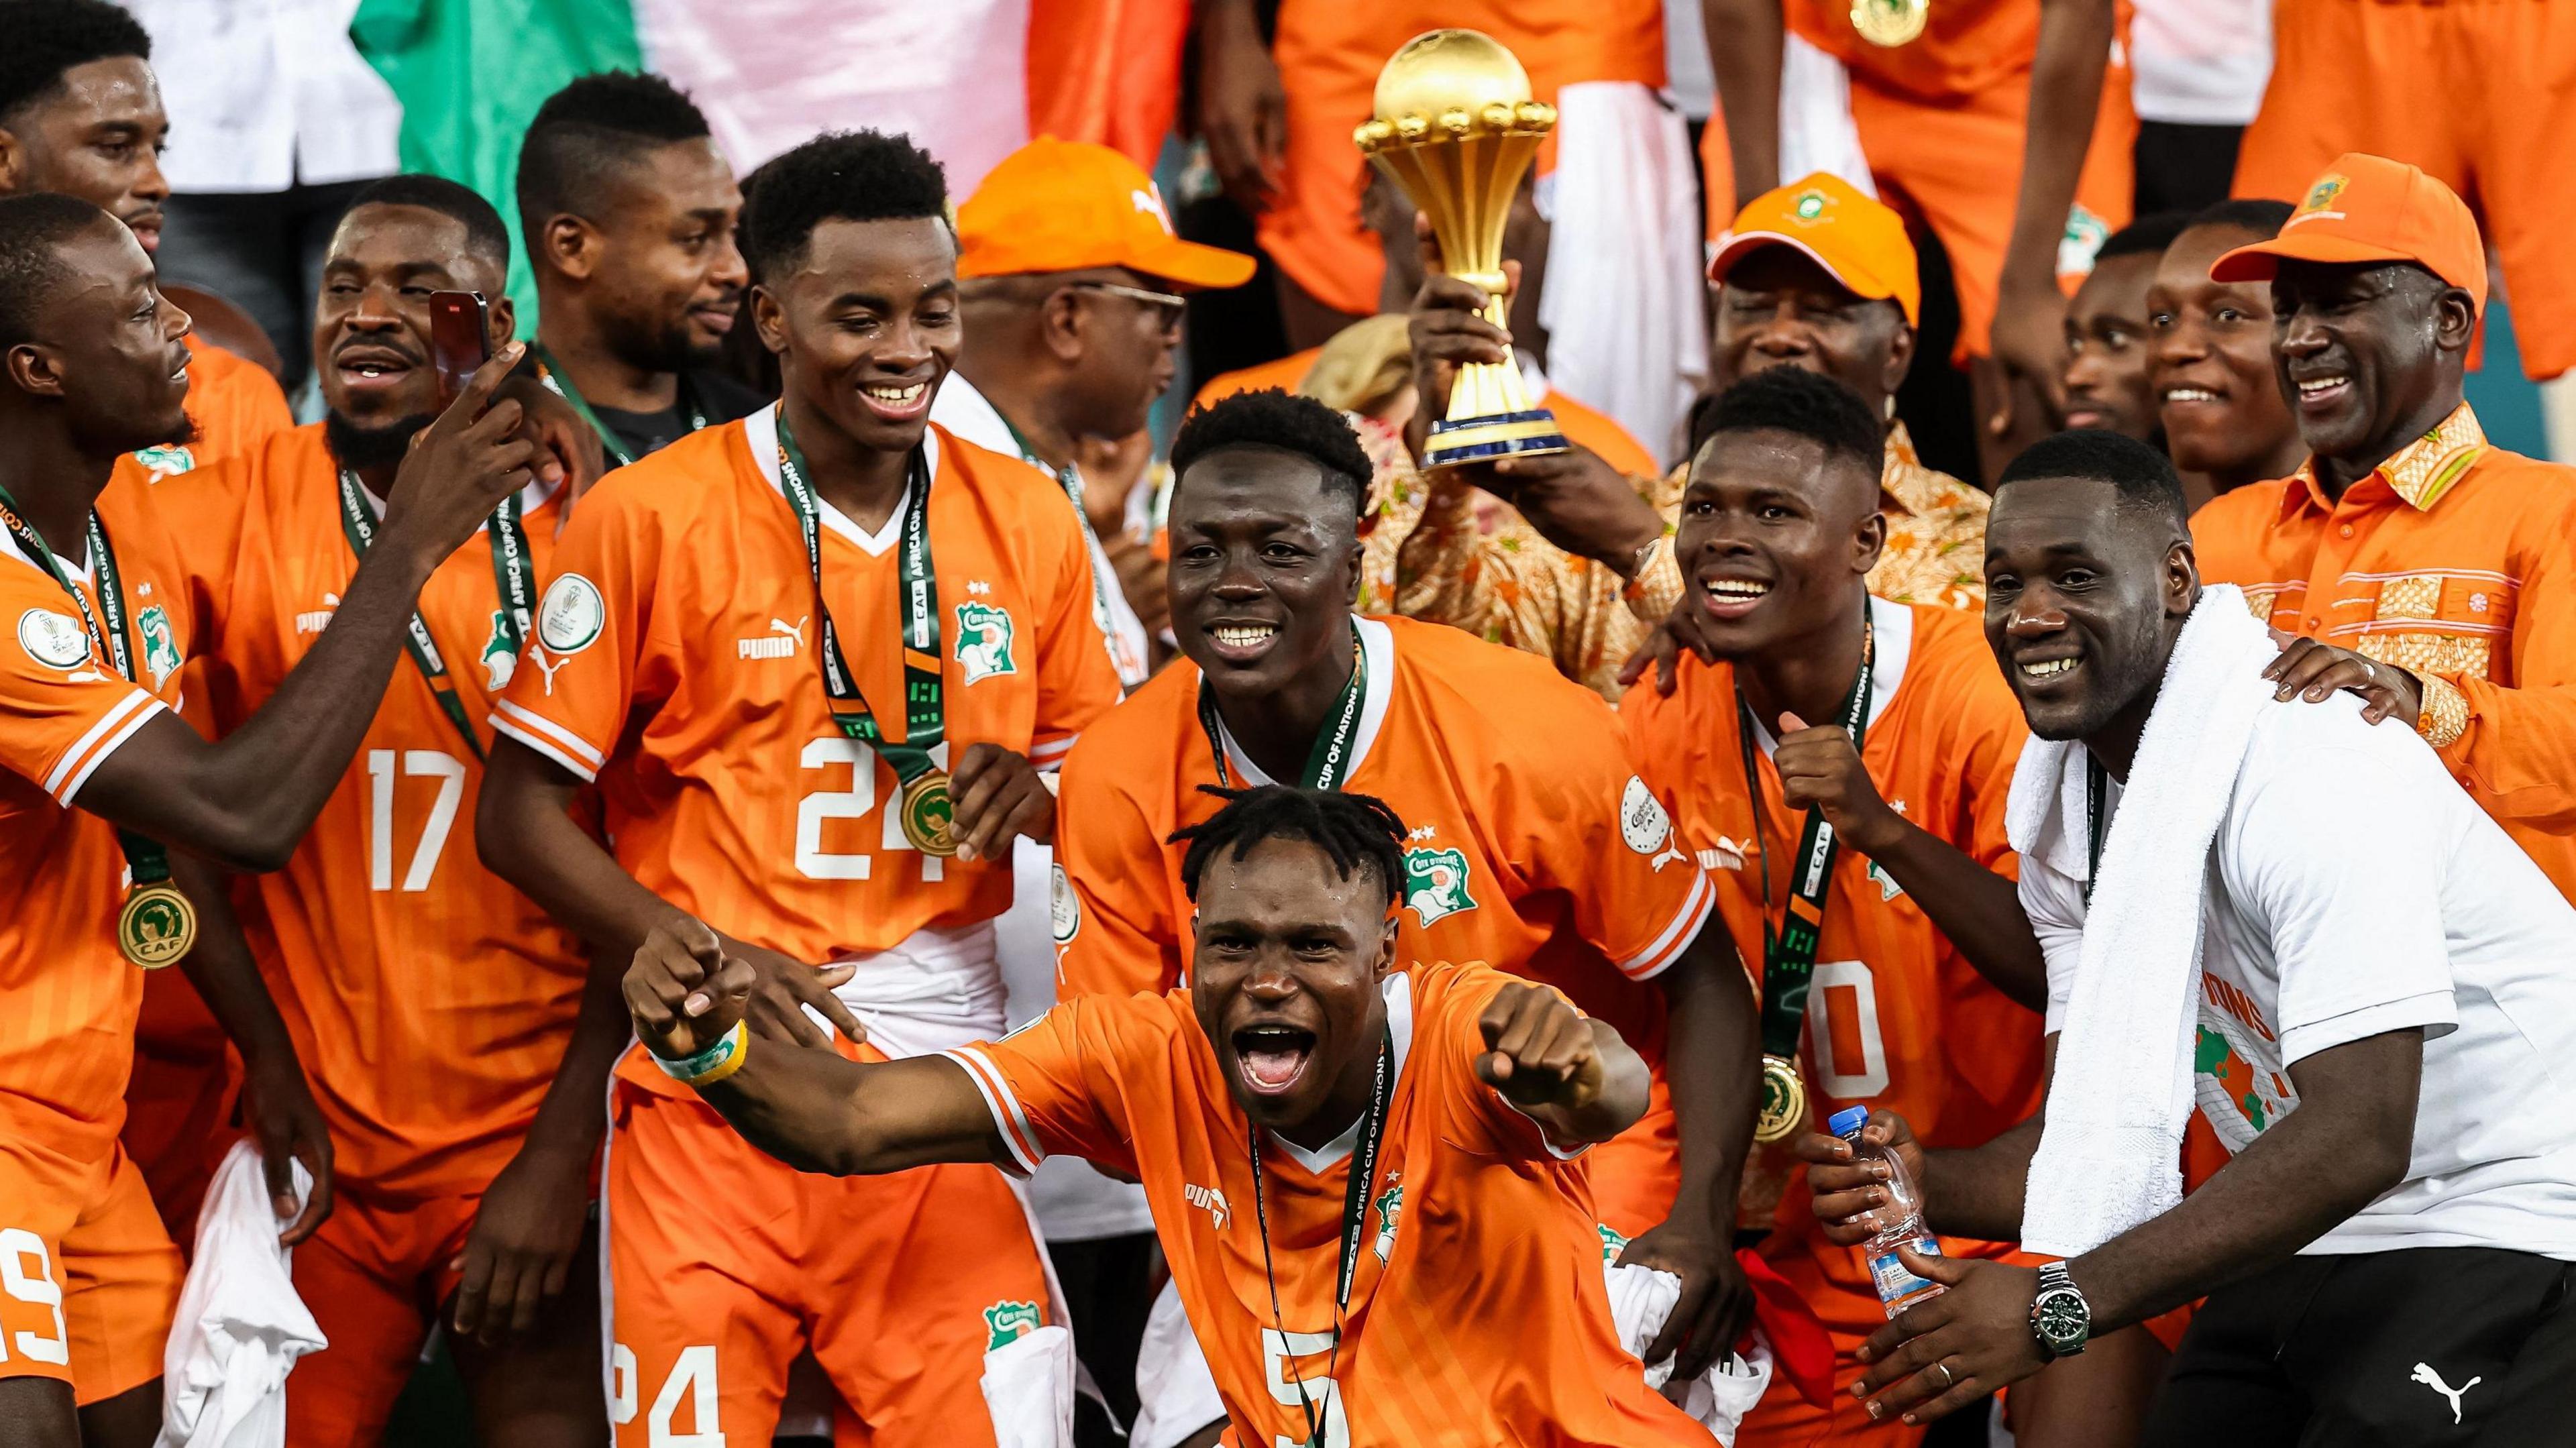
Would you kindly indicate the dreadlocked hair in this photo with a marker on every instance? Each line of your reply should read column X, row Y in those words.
column 1357, row 830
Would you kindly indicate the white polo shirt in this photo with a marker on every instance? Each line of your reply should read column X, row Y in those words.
column 2355, row 889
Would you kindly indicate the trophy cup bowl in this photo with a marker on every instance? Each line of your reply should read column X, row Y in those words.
column 1456, row 128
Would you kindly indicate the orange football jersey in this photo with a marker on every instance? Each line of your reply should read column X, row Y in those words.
column 67, row 1040
column 235, row 405
column 1534, row 846
column 1895, row 1015
column 1477, row 1312
column 674, row 661
column 430, row 1001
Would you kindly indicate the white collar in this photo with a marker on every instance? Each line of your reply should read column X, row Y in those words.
column 1398, row 991
column 963, row 409
column 1891, row 645
column 1377, row 645
column 760, row 434
column 77, row 568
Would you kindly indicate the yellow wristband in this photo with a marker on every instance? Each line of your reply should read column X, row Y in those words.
column 711, row 1065
column 2444, row 715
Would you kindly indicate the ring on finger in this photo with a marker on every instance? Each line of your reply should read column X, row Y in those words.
column 1948, row 1379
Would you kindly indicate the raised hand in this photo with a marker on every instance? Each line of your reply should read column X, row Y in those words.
column 464, row 463
column 1539, row 1050
column 1820, row 768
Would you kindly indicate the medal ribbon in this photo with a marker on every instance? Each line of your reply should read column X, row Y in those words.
column 1071, row 481
column 925, row 722
column 1789, row 952
column 145, row 859
column 513, row 580
column 1329, row 760
column 553, row 375
column 1355, row 1199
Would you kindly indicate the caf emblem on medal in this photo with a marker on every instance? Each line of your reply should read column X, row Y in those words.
column 157, row 926
column 929, row 815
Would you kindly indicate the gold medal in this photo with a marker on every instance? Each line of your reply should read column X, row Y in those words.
column 156, row 927
column 1890, row 22
column 1784, row 1101
column 929, row 815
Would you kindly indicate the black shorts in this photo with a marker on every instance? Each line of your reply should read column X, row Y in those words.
column 2386, row 1349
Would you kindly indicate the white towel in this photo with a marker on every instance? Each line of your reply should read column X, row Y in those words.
column 1176, row 1395
column 240, row 1325
column 1028, row 1388
column 1641, row 1298
column 1622, row 303
column 2111, row 1155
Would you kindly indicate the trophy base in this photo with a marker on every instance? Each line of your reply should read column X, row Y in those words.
column 1499, row 435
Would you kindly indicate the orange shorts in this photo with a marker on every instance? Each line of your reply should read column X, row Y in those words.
column 1956, row 169
column 374, row 1277
column 723, row 1262
column 88, row 1278
column 2480, row 93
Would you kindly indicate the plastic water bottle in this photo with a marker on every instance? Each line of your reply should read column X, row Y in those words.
column 1899, row 1223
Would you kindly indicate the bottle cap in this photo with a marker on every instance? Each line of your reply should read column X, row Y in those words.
column 1848, row 1121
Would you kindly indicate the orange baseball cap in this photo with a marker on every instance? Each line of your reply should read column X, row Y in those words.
column 1859, row 241
column 1057, row 206
column 2372, row 209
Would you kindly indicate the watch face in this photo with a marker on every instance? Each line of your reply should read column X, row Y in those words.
column 2062, row 1316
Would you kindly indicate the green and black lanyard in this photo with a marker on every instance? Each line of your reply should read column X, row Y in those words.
column 1355, row 1200
column 1329, row 761
column 927, row 813
column 561, row 381
column 1789, row 952
column 513, row 578
column 157, row 924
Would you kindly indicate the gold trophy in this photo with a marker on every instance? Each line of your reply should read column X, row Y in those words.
column 1456, row 128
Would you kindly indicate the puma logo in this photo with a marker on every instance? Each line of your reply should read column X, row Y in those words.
column 1210, row 1200
column 546, row 666
column 1672, row 851
column 784, row 641
column 794, row 630
column 2424, row 1374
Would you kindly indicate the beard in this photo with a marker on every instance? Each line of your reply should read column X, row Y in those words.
column 359, row 448
column 657, row 347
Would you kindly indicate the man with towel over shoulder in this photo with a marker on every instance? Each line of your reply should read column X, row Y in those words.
column 2303, row 927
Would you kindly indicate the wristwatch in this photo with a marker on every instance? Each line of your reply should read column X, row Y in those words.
column 2060, row 1317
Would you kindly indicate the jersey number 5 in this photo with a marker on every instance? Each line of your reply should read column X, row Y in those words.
column 1302, row 1392
column 856, row 802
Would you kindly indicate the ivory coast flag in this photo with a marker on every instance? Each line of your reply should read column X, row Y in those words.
column 970, row 80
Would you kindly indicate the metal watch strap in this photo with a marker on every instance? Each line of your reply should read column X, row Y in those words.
column 2053, row 1278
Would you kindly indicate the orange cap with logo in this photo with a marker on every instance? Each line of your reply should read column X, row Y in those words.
column 2371, row 209
column 1859, row 241
column 1059, row 206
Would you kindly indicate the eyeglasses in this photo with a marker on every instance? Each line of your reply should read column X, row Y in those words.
column 1171, row 307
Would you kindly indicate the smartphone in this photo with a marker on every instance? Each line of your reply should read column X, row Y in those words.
column 460, row 339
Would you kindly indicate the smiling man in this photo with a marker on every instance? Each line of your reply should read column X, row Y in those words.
column 2420, row 565
column 2359, row 956
column 432, row 1001
column 770, row 644
column 2209, row 358
column 100, row 780
column 1876, row 733
column 80, row 114
column 1365, row 1177
column 629, row 212
column 2105, row 381
column 1533, row 845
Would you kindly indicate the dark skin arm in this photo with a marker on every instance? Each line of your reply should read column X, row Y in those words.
column 2347, row 1144
column 2029, row 333
column 1243, row 109
column 999, row 796
column 244, row 802
column 1716, row 1038
column 1571, row 1075
column 1979, row 910
column 1745, row 39
column 1971, row 1192
column 277, row 1102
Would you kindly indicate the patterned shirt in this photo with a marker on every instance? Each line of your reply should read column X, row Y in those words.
column 1436, row 547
